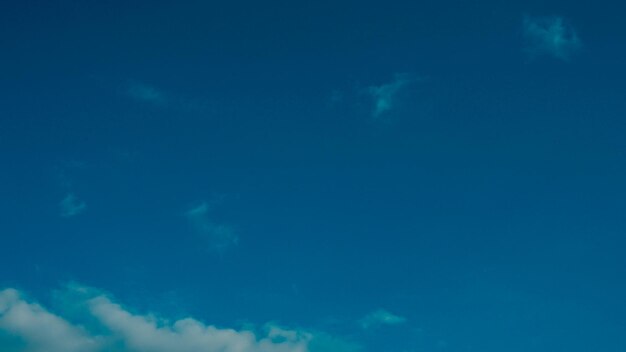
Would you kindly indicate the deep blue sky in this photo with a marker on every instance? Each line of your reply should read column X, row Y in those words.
column 229, row 161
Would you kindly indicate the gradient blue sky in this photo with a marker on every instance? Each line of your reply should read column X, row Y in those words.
column 395, row 176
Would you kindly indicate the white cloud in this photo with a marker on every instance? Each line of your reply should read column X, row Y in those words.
column 110, row 327
column 219, row 236
column 146, row 333
column 71, row 206
column 381, row 317
column 40, row 330
column 384, row 96
column 551, row 36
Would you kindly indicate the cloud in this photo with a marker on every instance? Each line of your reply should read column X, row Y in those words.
column 551, row 36
column 146, row 93
column 146, row 333
column 159, row 98
column 40, row 330
column 380, row 317
column 219, row 236
column 336, row 97
column 324, row 342
column 110, row 327
column 71, row 206
column 384, row 96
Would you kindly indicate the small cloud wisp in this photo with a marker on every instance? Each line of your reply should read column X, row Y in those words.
column 550, row 36
column 384, row 96
column 380, row 317
column 219, row 236
column 145, row 93
column 71, row 206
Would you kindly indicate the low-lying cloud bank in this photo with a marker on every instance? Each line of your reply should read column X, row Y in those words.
column 95, row 323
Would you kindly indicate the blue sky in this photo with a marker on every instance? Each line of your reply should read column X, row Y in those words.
column 308, row 177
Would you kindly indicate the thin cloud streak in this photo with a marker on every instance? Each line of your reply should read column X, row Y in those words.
column 159, row 98
column 381, row 317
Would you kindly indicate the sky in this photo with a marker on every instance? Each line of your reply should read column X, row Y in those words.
column 328, row 176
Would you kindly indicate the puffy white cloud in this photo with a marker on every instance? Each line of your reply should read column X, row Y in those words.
column 381, row 317
column 384, row 96
column 40, row 330
column 149, row 334
column 551, row 36
column 71, row 206
column 111, row 327
column 219, row 236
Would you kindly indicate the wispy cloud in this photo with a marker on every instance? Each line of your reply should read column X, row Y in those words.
column 551, row 36
column 71, row 206
column 219, row 236
column 380, row 317
column 384, row 96
column 146, row 93
column 160, row 98
column 98, row 324
column 336, row 97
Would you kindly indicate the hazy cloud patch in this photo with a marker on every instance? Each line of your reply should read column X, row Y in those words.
column 219, row 236
column 71, row 206
column 336, row 97
column 160, row 98
column 146, row 93
column 380, row 317
column 551, row 36
column 385, row 96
